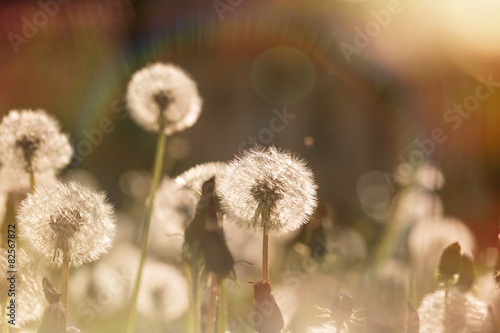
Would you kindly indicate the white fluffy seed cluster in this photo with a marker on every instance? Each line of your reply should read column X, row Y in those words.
column 32, row 140
column 266, row 187
column 163, row 90
column 28, row 286
column 466, row 314
column 67, row 220
column 194, row 178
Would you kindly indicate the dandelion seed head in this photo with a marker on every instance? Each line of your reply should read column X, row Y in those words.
column 67, row 220
column 266, row 187
column 166, row 91
column 466, row 313
column 31, row 140
column 29, row 292
column 194, row 178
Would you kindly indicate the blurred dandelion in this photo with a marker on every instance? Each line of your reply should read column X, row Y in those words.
column 342, row 313
column 194, row 178
column 163, row 292
column 28, row 287
column 32, row 141
column 465, row 313
column 68, row 224
column 163, row 96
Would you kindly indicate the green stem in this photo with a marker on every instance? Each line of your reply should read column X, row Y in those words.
column 160, row 152
column 265, row 255
column 213, row 305
column 222, row 310
column 195, row 296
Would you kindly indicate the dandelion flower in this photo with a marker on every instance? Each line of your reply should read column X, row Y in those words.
column 268, row 189
column 163, row 94
column 32, row 140
column 28, row 281
column 67, row 220
column 466, row 313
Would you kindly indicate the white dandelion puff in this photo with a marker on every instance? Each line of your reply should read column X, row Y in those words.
column 32, row 140
column 194, row 178
column 465, row 313
column 29, row 297
column 163, row 93
column 67, row 220
column 268, row 189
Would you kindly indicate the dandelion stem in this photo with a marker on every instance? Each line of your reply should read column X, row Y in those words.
column 265, row 255
column 160, row 152
column 213, row 305
column 64, row 286
column 446, row 296
column 222, row 310
column 32, row 181
column 195, row 297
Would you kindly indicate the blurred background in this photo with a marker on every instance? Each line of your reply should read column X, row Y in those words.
column 366, row 91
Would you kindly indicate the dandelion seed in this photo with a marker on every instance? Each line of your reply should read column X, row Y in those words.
column 163, row 94
column 466, row 313
column 32, row 141
column 29, row 293
column 67, row 220
column 267, row 188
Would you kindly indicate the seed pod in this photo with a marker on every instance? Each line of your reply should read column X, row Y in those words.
column 53, row 317
column 267, row 314
column 450, row 262
column 218, row 259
